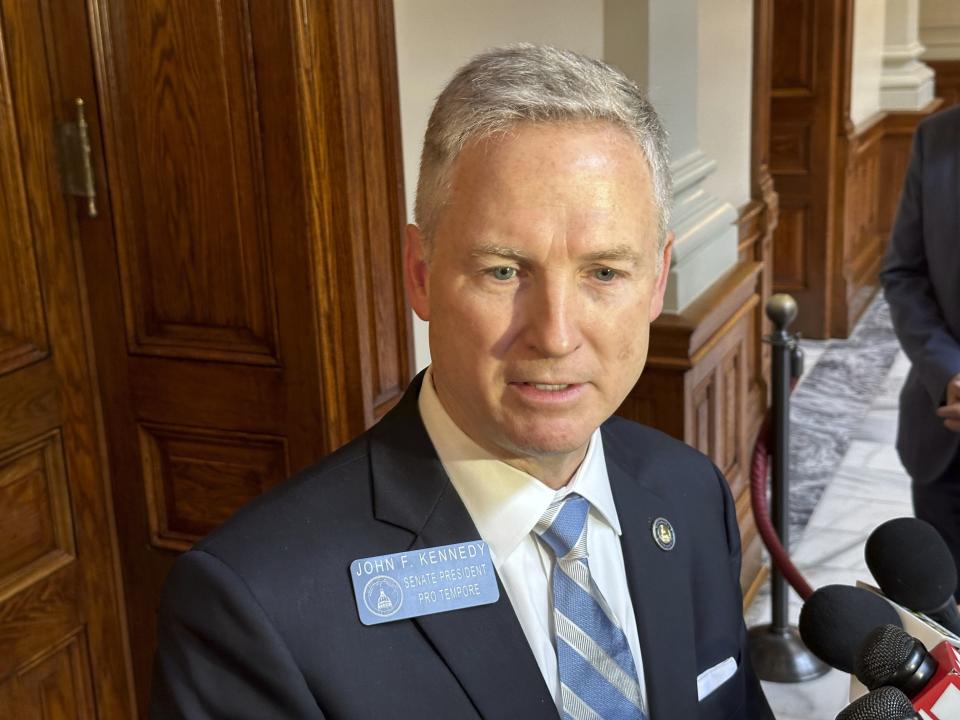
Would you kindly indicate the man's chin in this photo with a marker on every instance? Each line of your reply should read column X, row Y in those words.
column 547, row 444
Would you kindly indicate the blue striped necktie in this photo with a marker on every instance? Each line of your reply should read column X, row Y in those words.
column 598, row 678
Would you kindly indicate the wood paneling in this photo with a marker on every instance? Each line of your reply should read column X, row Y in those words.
column 790, row 149
column 733, row 378
column 859, row 245
column 793, row 59
column 371, row 122
column 63, row 649
column 36, row 536
column 54, row 686
column 23, row 333
column 805, row 123
column 757, row 220
column 789, row 262
column 947, row 80
column 358, row 39
column 192, row 245
column 196, row 479
column 874, row 159
column 755, row 230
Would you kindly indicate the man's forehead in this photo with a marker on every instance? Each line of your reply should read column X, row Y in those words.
column 548, row 138
column 586, row 182
column 489, row 216
column 548, row 161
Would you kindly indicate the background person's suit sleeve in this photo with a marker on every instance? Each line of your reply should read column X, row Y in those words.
column 755, row 705
column 218, row 654
column 914, row 308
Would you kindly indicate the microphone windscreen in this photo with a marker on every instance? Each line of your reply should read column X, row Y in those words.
column 912, row 564
column 835, row 620
column 886, row 703
column 884, row 653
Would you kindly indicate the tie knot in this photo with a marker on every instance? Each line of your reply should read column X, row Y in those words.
column 563, row 527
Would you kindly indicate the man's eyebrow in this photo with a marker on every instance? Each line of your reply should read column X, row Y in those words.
column 503, row 251
column 622, row 253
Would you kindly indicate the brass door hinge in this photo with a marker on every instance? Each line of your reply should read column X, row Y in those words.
column 76, row 166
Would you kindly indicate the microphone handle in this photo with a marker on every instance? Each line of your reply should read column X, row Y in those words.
column 948, row 616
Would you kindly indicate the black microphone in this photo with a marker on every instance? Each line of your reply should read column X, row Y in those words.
column 931, row 680
column 889, row 656
column 836, row 618
column 884, row 703
column 914, row 568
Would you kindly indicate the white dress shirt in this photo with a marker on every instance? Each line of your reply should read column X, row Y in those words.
column 505, row 504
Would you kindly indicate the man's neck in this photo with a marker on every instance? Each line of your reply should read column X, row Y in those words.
column 553, row 471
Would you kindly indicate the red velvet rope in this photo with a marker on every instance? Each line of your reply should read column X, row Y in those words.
column 759, row 463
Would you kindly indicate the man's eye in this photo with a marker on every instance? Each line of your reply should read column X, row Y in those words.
column 504, row 273
column 605, row 274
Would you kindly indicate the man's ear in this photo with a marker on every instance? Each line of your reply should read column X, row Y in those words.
column 416, row 274
column 660, row 282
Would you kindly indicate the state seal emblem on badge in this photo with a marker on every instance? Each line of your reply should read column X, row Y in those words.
column 663, row 534
column 383, row 596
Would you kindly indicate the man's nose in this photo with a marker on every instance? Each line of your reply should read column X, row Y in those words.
column 553, row 318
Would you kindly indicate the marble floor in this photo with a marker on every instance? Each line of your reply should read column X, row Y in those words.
column 868, row 486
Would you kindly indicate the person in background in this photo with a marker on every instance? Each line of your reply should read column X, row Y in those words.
column 921, row 282
column 498, row 545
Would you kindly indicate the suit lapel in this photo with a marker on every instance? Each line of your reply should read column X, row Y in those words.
column 660, row 591
column 484, row 647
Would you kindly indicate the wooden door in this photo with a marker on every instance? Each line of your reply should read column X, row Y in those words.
column 248, row 306
column 810, row 62
column 62, row 643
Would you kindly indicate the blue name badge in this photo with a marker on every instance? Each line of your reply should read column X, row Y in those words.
column 423, row 582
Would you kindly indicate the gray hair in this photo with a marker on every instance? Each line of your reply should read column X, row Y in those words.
column 534, row 83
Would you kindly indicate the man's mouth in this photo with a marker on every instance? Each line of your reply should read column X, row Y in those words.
column 549, row 387
column 548, row 392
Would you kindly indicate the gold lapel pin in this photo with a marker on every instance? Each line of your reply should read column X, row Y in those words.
column 663, row 534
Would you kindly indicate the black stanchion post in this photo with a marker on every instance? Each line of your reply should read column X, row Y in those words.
column 776, row 650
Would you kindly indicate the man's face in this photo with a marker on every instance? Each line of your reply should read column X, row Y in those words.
column 541, row 287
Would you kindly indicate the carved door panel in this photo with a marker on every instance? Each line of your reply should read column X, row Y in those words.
column 249, row 316
column 62, row 644
column 808, row 76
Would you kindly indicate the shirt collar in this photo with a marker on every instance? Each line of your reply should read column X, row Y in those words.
column 505, row 503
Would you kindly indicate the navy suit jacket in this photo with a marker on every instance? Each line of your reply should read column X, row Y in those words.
column 921, row 281
column 259, row 619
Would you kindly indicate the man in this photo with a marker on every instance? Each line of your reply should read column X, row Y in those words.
column 921, row 281
column 610, row 552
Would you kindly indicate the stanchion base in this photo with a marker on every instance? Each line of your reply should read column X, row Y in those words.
column 779, row 655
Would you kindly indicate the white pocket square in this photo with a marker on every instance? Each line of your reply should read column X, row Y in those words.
column 712, row 678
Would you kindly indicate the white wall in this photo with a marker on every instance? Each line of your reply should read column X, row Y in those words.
column 940, row 29
column 435, row 37
column 725, row 89
column 867, row 66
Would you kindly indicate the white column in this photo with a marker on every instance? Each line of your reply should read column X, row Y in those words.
column 655, row 42
column 905, row 83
